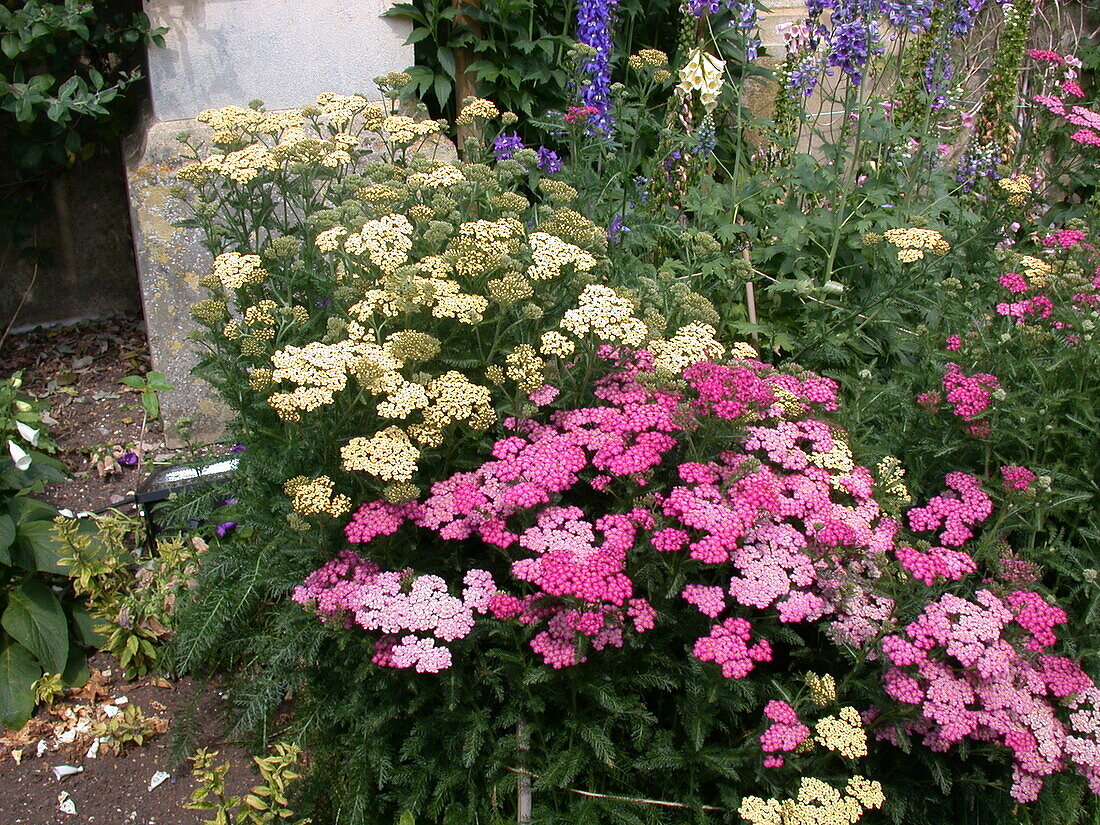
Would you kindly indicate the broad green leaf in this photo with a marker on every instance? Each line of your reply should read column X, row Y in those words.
column 446, row 59
column 34, row 618
column 157, row 382
column 37, row 548
column 442, row 88
column 76, row 668
column 18, row 672
column 83, row 624
column 7, row 536
column 30, row 509
column 151, row 404
column 135, row 381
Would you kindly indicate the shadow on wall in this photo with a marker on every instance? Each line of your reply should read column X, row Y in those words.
column 90, row 267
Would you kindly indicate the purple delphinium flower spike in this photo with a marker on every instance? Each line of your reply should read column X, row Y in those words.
column 549, row 162
column 507, row 145
column 594, row 29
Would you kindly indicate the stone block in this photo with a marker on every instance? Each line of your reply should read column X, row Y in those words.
column 170, row 262
column 283, row 52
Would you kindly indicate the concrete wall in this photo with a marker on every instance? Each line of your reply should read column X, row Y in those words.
column 283, row 52
column 87, row 233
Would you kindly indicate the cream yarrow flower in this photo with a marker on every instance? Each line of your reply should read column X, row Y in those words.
column 891, row 480
column 442, row 177
column 388, row 455
column 481, row 245
column 386, row 242
column 1036, row 270
column 314, row 497
column 550, row 254
column 648, row 59
column 476, row 108
column 404, row 130
column 411, row 345
column 912, row 242
column 865, row 791
column 553, row 342
column 402, row 399
column 607, row 315
column 454, row 399
column 329, row 240
column 816, row 803
column 689, row 345
column 229, row 123
column 234, row 270
column 822, row 688
column 842, row 733
column 525, row 368
column 557, row 192
column 340, row 109
column 243, row 165
column 1017, row 188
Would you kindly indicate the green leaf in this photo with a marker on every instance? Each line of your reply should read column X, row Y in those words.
column 446, row 59
column 75, row 673
column 18, row 673
column 135, row 381
column 34, row 618
column 157, row 382
column 7, row 537
column 151, row 404
column 442, row 88
column 83, row 624
column 24, row 509
column 37, row 548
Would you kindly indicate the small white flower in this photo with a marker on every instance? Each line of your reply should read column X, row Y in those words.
column 20, row 456
column 29, row 433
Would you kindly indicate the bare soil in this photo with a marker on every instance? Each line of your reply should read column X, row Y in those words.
column 112, row 788
column 98, row 423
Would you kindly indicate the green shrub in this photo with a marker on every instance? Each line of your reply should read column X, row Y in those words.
column 44, row 629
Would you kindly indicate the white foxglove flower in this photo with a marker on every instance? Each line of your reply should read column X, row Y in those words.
column 29, row 433
column 20, row 456
column 704, row 73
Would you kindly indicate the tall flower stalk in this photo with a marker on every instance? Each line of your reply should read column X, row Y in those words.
column 594, row 21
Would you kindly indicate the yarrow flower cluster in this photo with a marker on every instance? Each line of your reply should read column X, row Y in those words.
column 969, row 668
column 1086, row 121
column 969, row 395
column 781, row 529
column 816, row 802
column 954, row 512
column 1058, row 299
column 784, row 520
column 412, row 613
column 912, row 243
column 1017, row 478
column 785, row 733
